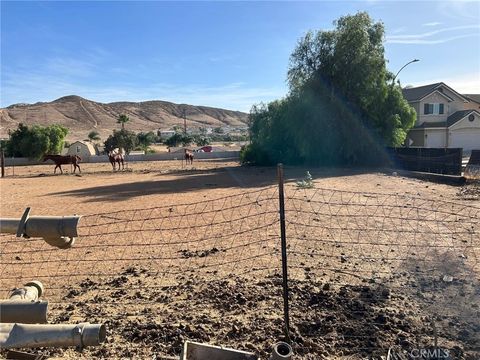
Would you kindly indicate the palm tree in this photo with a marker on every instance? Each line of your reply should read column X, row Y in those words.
column 122, row 119
column 93, row 136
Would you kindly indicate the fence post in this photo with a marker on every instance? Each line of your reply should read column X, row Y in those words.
column 2, row 155
column 281, row 199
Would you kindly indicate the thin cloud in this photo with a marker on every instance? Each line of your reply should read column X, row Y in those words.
column 399, row 30
column 463, row 83
column 429, row 37
column 235, row 96
column 70, row 67
column 428, row 42
column 435, row 32
column 458, row 9
column 434, row 23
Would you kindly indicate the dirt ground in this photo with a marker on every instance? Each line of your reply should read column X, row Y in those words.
column 98, row 189
column 365, row 275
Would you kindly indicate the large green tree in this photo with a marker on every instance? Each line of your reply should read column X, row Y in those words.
column 350, row 62
column 122, row 139
column 36, row 141
column 342, row 108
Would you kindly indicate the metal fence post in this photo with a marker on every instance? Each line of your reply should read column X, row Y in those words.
column 281, row 199
column 2, row 155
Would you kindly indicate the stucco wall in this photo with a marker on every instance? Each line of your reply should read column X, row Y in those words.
column 233, row 155
column 472, row 106
column 417, row 136
column 434, row 98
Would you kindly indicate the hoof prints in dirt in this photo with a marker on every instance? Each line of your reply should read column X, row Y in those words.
column 145, row 319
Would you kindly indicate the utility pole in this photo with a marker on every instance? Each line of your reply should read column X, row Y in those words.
column 184, row 122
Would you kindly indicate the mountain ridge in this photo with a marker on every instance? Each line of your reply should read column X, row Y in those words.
column 82, row 115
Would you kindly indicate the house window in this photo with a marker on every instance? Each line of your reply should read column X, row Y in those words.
column 78, row 149
column 435, row 109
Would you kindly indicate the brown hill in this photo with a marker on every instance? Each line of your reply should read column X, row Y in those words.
column 81, row 116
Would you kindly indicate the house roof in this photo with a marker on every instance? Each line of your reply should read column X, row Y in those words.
column 436, row 124
column 452, row 119
column 418, row 93
column 90, row 147
column 457, row 116
column 473, row 97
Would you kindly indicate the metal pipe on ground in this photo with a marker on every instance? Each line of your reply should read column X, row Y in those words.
column 58, row 231
column 28, row 312
column 281, row 351
column 24, row 306
column 33, row 336
column 32, row 290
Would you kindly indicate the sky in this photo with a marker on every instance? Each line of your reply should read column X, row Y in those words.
column 223, row 54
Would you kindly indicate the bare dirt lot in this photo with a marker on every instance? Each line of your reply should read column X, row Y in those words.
column 168, row 253
column 98, row 189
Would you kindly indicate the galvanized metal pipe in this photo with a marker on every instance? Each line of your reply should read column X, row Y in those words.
column 28, row 312
column 33, row 336
column 58, row 231
column 23, row 305
column 30, row 291
column 281, row 351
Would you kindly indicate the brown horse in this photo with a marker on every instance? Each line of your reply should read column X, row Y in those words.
column 60, row 160
column 188, row 156
column 115, row 157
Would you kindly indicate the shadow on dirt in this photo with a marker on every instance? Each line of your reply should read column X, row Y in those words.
column 193, row 180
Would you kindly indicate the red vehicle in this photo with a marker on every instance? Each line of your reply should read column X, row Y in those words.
column 206, row 148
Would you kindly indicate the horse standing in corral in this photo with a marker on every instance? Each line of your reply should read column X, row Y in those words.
column 60, row 160
column 188, row 156
column 116, row 157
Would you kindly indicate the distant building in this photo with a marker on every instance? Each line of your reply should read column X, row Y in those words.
column 82, row 148
column 165, row 134
column 445, row 118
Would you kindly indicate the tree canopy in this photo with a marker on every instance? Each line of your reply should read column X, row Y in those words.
column 93, row 136
column 145, row 139
column 342, row 105
column 179, row 138
column 123, row 119
column 36, row 141
column 350, row 60
column 122, row 139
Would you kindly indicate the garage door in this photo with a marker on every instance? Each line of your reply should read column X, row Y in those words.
column 466, row 139
column 435, row 139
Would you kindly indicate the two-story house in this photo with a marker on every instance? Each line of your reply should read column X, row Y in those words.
column 445, row 118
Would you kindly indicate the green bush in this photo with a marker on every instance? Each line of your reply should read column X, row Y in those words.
column 252, row 154
column 36, row 141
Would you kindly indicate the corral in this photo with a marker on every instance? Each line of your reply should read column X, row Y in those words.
column 167, row 254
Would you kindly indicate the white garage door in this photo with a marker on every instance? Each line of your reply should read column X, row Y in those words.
column 466, row 139
column 435, row 139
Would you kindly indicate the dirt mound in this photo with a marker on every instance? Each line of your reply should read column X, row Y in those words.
column 327, row 321
column 470, row 191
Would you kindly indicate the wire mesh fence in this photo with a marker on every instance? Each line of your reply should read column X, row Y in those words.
column 367, row 272
column 380, row 270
